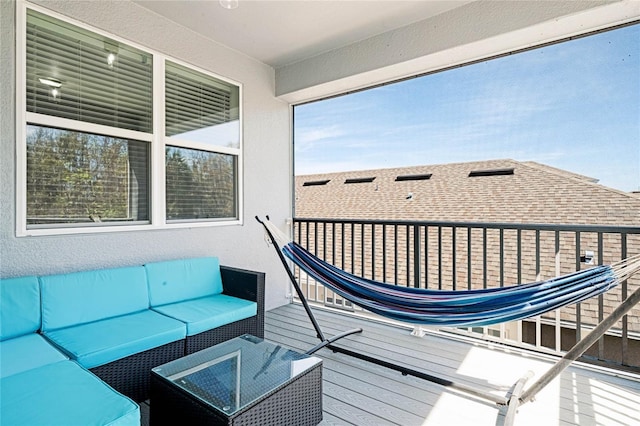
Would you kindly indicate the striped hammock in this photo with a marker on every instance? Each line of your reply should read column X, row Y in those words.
column 465, row 308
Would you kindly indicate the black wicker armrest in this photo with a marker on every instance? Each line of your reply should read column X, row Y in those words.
column 245, row 284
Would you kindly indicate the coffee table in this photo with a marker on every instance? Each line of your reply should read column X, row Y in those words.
column 243, row 381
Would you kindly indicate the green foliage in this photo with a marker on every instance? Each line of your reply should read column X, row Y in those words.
column 199, row 184
column 76, row 177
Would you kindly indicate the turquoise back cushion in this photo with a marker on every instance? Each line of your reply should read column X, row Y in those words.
column 82, row 297
column 19, row 306
column 177, row 280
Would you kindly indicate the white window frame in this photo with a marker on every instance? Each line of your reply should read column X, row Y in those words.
column 157, row 139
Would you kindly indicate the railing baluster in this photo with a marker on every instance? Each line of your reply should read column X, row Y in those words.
column 343, row 251
column 625, row 318
column 407, row 261
column 557, row 325
column 578, row 308
column 454, row 254
column 600, row 299
column 538, row 270
column 362, row 250
column 439, row 257
column 484, row 257
column 353, row 247
column 395, row 254
column 333, row 243
column 416, row 256
column 501, row 257
column 384, row 252
column 519, row 255
column 469, row 268
column 373, row 251
column 426, row 257
column 324, row 240
column 538, row 277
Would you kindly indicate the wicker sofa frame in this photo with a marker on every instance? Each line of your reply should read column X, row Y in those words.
column 244, row 284
column 131, row 375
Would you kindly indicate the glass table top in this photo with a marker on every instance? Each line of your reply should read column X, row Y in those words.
column 233, row 374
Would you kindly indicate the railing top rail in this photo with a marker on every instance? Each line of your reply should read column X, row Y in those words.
column 483, row 225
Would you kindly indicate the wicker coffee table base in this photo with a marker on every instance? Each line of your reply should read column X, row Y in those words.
column 298, row 402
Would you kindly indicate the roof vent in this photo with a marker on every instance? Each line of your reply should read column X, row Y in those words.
column 492, row 172
column 316, row 182
column 359, row 180
column 425, row 176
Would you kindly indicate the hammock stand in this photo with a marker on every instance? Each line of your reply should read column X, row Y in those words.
column 517, row 395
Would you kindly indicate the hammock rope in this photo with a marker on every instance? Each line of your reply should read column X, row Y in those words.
column 460, row 308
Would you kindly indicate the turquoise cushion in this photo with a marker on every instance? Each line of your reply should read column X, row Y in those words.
column 63, row 394
column 19, row 306
column 102, row 342
column 26, row 352
column 210, row 312
column 83, row 297
column 177, row 280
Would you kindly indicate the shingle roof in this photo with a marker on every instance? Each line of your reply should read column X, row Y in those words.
column 530, row 193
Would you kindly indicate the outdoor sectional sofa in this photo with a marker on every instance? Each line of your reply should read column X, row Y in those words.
column 80, row 346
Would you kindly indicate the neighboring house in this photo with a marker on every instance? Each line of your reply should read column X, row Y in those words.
column 495, row 191
column 484, row 191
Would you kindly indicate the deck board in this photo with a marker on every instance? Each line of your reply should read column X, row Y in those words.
column 361, row 393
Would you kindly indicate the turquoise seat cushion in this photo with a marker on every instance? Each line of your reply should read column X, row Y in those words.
column 177, row 280
column 25, row 353
column 102, row 342
column 83, row 297
column 207, row 313
column 19, row 306
column 63, row 394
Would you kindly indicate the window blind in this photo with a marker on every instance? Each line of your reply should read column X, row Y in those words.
column 197, row 101
column 76, row 74
column 200, row 184
column 75, row 177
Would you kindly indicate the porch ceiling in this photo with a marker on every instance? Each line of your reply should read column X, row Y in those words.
column 279, row 33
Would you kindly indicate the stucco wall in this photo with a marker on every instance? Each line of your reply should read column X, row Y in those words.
column 267, row 159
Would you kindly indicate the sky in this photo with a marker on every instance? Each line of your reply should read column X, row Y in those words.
column 573, row 105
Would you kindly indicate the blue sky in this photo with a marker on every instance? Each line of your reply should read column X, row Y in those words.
column 574, row 105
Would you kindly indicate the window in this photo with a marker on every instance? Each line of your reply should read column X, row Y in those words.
column 87, row 137
column 200, row 184
column 202, row 114
column 82, row 178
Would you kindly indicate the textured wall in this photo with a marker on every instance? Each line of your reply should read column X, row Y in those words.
column 267, row 159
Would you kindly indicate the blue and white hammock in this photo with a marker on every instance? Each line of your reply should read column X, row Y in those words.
column 463, row 308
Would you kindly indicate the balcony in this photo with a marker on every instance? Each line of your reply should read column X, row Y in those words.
column 458, row 256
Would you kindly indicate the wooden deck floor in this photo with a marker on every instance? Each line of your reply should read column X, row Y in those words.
column 361, row 393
